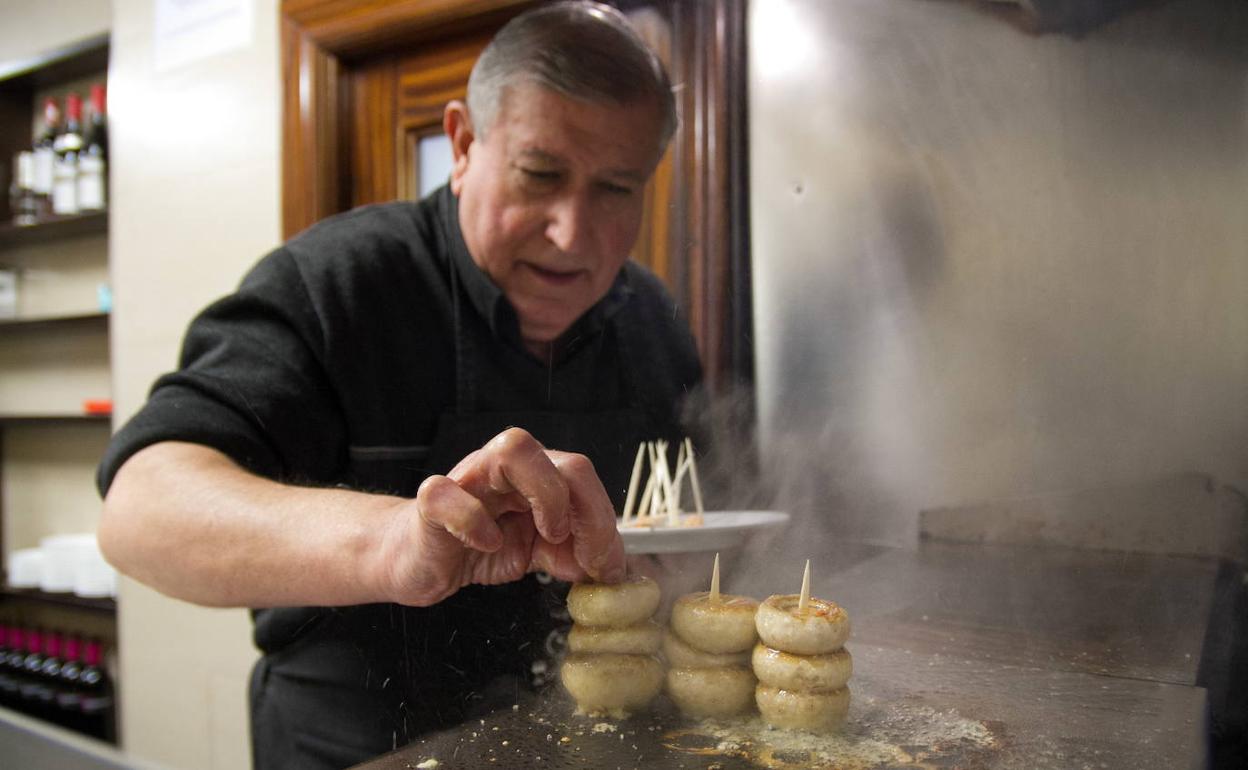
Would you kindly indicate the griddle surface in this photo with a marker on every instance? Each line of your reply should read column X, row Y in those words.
column 908, row 710
column 964, row 657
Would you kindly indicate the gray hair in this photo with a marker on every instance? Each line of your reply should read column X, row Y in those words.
column 583, row 50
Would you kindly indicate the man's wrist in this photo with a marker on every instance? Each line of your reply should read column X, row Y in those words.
column 396, row 559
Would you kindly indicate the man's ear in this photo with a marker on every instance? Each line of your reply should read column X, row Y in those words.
column 458, row 127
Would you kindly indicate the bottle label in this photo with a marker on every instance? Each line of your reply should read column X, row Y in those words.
column 8, row 307
column 67, row 143
column 90, row 183
column 96, row 704
column 44, row 160
column 65, row 188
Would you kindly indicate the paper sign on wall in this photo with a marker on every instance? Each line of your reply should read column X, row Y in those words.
column 189, row 30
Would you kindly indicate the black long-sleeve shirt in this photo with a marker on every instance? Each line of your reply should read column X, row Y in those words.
column 336, row 353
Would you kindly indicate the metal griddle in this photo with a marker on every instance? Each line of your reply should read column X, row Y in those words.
column 917, row 711
column 964, row 657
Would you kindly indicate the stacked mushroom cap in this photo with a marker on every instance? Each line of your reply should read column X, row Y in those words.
column 611, row 668
column 708, row 651
column 801, row 663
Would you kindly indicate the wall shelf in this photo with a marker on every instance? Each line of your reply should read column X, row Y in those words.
column 103, row 604
column 34, row 419
column 54, row 229
column 40, row 322
column 84, row 57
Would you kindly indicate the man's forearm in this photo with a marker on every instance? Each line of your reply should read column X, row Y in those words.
column 188, row 521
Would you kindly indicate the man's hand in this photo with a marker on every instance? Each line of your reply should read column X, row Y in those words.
column 509, row 508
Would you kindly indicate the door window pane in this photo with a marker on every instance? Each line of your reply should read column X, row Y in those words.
column 433, row 162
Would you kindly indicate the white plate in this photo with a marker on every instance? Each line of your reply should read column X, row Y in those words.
column 719, row 530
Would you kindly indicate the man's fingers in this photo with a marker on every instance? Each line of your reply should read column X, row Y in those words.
column 446, row 508
column 562, row 491
column 595, row 540
column 557, row 561
column 514, row 463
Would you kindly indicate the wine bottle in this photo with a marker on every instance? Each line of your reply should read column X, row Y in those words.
column 45, row 148
column 17, row 651
column 93, row 159
column 96, row 689
column 50, row 678
column 67, row 146
column 30, row 685
column 14, row 664
column 26, row 205
column 9, row 695
column 68, row 695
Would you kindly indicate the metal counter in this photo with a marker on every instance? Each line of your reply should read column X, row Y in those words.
column 27, row 742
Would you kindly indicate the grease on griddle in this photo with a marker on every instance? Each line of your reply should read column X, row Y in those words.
column 690, row 741
column 884, row 735
column 794, row 758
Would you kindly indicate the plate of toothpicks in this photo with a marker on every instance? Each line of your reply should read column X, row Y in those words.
column 654, row 521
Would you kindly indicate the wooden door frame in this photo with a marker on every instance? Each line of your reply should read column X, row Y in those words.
column 709, row 231
column 320, row 39
column 709, row 239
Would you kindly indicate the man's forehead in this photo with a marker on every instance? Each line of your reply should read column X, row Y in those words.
column 524, row 95
column 542, row 125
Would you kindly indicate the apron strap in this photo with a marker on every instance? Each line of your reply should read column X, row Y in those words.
column 625, row 335
column 465, row 379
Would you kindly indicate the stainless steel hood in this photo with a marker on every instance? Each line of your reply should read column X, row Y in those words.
column 989, row 263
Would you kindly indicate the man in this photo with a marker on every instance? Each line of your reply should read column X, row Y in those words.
column 409, row 409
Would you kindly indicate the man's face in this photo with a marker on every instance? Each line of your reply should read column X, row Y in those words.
column 550, row 200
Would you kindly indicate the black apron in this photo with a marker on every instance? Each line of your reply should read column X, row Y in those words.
column 361, row 681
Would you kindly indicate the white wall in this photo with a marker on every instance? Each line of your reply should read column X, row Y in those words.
column 30, row 28
column 196, row 186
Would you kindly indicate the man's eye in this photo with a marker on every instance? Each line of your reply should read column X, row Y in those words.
column 617, row 189
column 540, row 175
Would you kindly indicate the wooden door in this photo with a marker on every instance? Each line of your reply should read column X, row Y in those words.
column 396, row 102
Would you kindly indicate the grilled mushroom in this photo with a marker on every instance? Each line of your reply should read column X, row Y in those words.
column 716, row 624
column 812, row 673
column 678, row 654
column 611, row 683
column 614, row 604
column 802, row 710
column 821, row 628
column 721, row 691
column 641, row 638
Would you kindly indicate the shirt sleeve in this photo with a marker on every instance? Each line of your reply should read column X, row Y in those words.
column 251, row 383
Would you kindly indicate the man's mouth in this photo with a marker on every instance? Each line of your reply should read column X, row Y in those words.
column 555, row 277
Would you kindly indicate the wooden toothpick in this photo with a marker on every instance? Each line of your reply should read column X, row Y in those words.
column 632, row 482
column 693, row 476
column 656, row 488
column 665, row 483
column 647, row 494
column 804, row 600
column 715, row 582
column 683, row 463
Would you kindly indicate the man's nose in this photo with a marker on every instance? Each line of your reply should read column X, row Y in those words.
column 570, row 225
